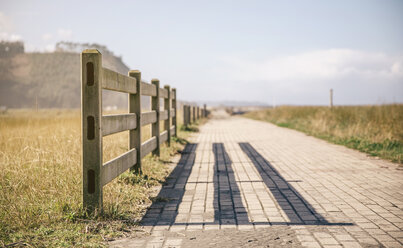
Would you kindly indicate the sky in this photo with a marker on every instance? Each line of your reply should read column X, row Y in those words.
column 274, row 52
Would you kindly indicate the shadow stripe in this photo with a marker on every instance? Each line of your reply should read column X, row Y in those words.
column 297, row 209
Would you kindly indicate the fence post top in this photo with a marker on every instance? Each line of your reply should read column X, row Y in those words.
column 155, row 80
column 91, row 51
column 134, row 72
column 166, row 86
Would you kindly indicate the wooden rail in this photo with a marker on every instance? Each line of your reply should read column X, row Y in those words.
column 94, row 78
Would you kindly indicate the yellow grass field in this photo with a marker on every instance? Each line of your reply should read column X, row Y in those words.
column 40, row 182
column 376, row 130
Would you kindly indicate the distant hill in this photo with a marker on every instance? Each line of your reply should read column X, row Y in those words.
column 237, row 104
column 50, row 79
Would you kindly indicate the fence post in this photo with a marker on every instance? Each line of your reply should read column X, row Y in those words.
column 198, row 112
column 205, row 110
column 187, row 114
column 155, row 105
column 186, row 108
column 167, row 106
column 190, row 114
column 174, row 106
column 135, row 107
column 91, row 110
column 194, row 113
column 184, row 115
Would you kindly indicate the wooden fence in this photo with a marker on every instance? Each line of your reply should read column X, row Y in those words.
column 193, row 113
column 94, row 78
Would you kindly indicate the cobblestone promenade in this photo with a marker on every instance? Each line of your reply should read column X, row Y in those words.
column 245, row 183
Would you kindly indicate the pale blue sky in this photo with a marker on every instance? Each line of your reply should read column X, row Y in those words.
column 287, row 52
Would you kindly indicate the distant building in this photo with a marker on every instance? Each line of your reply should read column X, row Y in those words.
column 11, row 48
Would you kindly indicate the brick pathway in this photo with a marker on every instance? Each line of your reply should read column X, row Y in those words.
column 245, row 183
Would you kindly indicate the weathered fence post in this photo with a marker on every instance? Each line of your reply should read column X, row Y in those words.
column 198, row 112
column 194, row 113
column 185, row 115
column 91, row 110
column 188, row 114
column 135, row 107
column 331, row 98
column 175, row 112
column 167, row 106
column 155, row 105
column 205, row 110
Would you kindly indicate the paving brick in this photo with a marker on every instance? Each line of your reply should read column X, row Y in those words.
column 311, row 244
column 306, row 238
column 344, row 237
column 392, row 244
column 351, row 244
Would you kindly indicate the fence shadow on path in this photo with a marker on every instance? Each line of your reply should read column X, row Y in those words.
column 164, row 209
column 228, row 206
column 297, row 209
column 227, row 202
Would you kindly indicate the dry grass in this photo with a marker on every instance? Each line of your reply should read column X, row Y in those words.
column 377, row 130
column 40, row 182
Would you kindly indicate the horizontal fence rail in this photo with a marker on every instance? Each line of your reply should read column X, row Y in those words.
column 94, row 78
